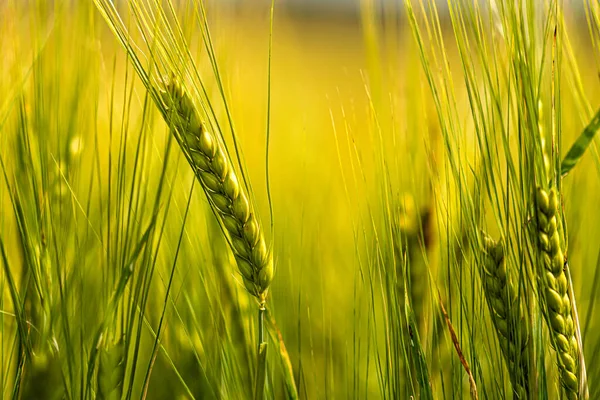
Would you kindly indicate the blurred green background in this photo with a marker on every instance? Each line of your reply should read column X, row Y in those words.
column 92, row 186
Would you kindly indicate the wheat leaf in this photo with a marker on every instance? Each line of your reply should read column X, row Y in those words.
column 580, row 145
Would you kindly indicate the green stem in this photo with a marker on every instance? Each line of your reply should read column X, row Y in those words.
column 259, row 388
column 261, row 329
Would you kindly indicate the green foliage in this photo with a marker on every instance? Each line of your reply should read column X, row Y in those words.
column 170, row 167
column 580, row 146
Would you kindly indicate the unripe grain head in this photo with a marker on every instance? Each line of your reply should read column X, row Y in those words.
column 213, row 168
column 555, row 291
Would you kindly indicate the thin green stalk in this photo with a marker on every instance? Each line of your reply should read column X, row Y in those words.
column 259, row 386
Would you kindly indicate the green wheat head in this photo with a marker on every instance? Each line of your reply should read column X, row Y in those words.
column 213, row 168
column 502, row 295
column 556, row 301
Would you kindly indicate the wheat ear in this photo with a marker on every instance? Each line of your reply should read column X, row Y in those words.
column 508, row 317
column 213, row 168
column 111, row 371
column 555, row 284
column 413, row 237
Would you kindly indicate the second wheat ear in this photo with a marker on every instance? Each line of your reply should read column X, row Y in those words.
column 214, row 169
column 556, row 299
column 502, row 295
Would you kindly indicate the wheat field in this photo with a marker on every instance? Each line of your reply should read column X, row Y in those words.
column 367, row 199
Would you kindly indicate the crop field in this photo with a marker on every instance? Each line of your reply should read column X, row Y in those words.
column 370, row 199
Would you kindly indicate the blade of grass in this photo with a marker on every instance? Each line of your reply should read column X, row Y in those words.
column 155, row 347
column 461, row 356
column 284, row 357
column 580, row 146
column 417, row 350
column 259, row 387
